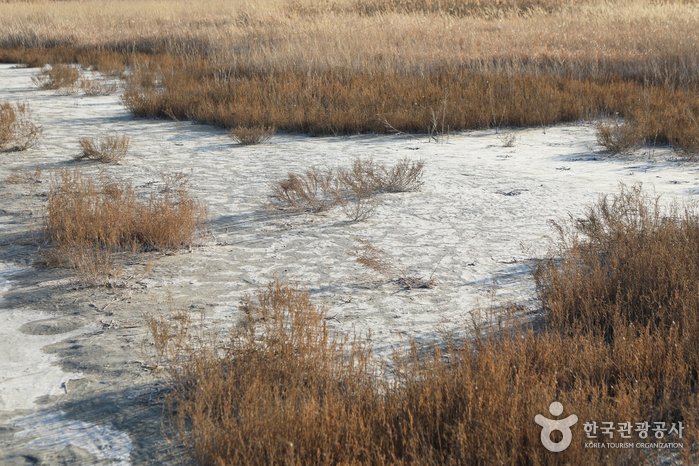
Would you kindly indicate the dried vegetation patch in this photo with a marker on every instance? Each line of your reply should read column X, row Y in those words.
column 109, row 148
column 62, row 78
column 353, row 189
column 620, row 344
column 91, row 225
column 17, row 130
column 451, row 65
column 252, row 136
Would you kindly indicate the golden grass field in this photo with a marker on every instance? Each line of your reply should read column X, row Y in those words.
column 620, row 337
column 355, row 66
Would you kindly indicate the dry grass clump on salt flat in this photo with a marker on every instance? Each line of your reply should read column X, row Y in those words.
column 91, row 225
column 619, row 138
column 95, row 87
column 252, row 136
column 25, row 176
column 63, row 78
column 620, row 343
column 312, row 191
column 17, row 130
column 109, row 148
column 378, row 260
column 353, row 189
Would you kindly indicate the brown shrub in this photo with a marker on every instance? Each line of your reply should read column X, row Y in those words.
column 58, row 77
column 25, row 176
column 93, row 87
column 313, row 191
column 377, row 260
column 250, row 136
column 17, row 130
column 353, row 189
column 89, row 225
column 405, row 176
column 110, row 148
column 619, row 138
column 628, row 262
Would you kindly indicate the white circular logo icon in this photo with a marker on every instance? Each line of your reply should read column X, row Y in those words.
column 551, row 425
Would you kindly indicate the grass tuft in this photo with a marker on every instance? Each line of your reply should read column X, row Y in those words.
column 17, row 130
column 619, row 138
column 58, row 77
column 110, row 148
column 94, row 87
column 90, row 225
column 253, row 135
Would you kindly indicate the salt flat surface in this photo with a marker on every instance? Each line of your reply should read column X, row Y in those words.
column 50, row 430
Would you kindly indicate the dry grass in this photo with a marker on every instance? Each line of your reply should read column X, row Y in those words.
column 25, row 176
column 17, row 130
column 94, row 87
column 353, row 189
column 251, row 136
column 617, row 346
column 109, row 148
column 347, row 65
column 378, row 260
column 90, row 226
column 313, row 191
column 619, row 138
column 63, row 78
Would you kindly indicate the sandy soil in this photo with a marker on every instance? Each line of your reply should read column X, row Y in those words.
column 73, row 389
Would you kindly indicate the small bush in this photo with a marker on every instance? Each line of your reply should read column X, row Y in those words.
column 313, row 191
column 88, row 222
column 619, row 138
column 252, row 135
column 94, row 87
column 25, row 176
column 58, row 77
column 109, row 148
column 353, row 189
column 405, row 176
column 377, row 260
column 17, row 130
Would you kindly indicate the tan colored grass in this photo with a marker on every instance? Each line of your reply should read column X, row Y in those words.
column 620, row 343
column 251, row 136
column 619, row 138
column 94, row 87
column 25, row 176
column 345, row 66
column 17, row 130
column 92, row 226
column 312, row 191
column 63, row 78
column 109, row 148
column 284, row 390
column 353, row 189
